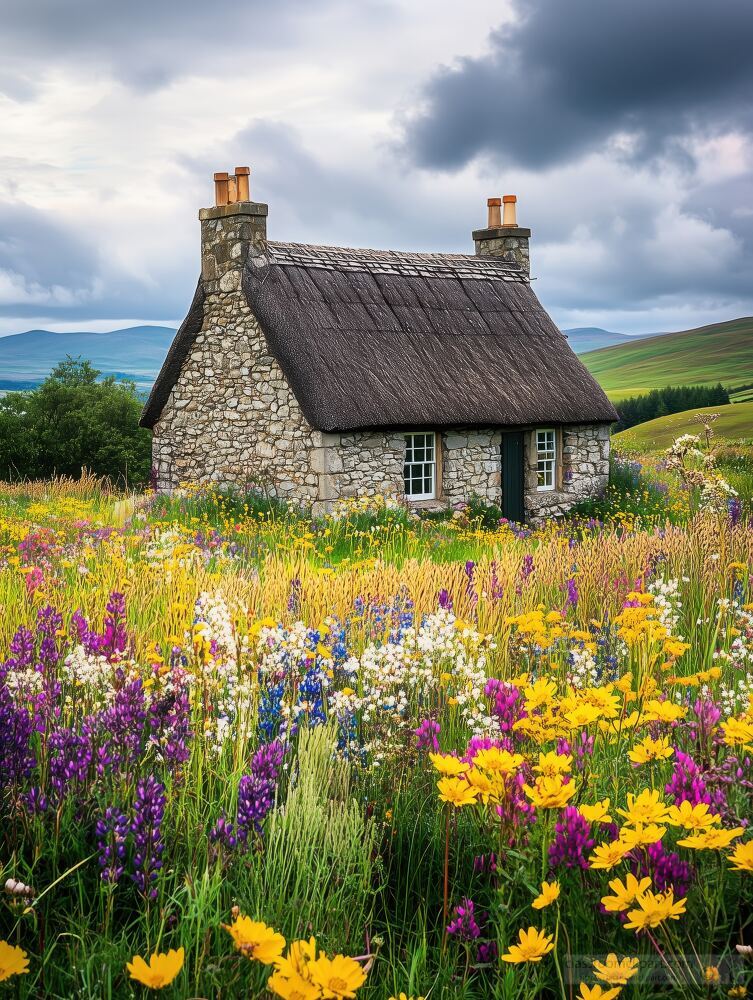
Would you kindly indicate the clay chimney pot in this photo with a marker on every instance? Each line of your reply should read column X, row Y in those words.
column 495, row 216
column 221, row 189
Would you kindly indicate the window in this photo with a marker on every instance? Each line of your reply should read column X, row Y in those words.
column 420, row 469
column 546, row 459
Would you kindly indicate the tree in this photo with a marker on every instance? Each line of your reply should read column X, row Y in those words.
column 75, row 420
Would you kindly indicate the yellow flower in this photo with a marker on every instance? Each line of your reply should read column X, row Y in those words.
column 539, row 693
column 483, row 785
column 692, row 817
column 654, row 909
column 711, row 840
column 295, row 963
column 531, row 947
column 457, row 792
column 498, row 761
column 737, row 732
column 615, row 973
column 625, row 893
column 583, row 715
column 293, row 987
column 597, row 813
column 447, row 765
column 13, row 961
column 664, row 711
column 738, row 992
column 647, row 807
column 597, row 992
column 608, row 855
column 649, row 750
column 337, row 977
column 641, row 834
column 161, row 971
column 550, row 891
column 551, row 764
column 742, row 855
column 550, row 793
column 255, row 940
column 404, row 996
column 711, row 974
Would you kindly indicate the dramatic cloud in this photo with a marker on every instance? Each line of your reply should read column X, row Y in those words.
column 568, row 78
column 624, row 128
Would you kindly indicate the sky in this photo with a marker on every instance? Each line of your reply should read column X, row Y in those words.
column 625, row 128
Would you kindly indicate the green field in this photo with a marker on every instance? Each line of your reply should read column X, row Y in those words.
column 735, row 423
column 722, row 352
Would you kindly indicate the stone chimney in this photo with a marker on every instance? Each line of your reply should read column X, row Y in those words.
column 228, row 231
column 503, row 235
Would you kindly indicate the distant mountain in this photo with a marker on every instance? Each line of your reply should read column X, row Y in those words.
column 136, row 353
column 592, row 338
column 719, row 352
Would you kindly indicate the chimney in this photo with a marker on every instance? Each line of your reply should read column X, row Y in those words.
column 228, row 230
column 503, row 235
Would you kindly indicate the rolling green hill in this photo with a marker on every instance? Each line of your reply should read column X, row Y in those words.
column 721, row 352
column 735, row 423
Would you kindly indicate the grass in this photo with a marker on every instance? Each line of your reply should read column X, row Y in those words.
column 735, row 424
column 721, row 352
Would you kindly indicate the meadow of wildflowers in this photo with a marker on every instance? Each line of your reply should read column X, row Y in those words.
column 247, row 754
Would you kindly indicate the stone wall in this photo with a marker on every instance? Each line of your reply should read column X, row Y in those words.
column 471, row 465
column 583, row 471
column 231, row 417
column 371, row 463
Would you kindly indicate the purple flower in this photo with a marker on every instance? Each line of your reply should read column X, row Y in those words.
column 445, row 601
column 112, row 830
column 115, row 636
column 666, row 869
column 256, row 791
column 525, row 572
column 223, row 832
column 70, row 754
column 507, row 705
column 486, row 953
column 572, row 594
column 463, row 926
column 572, row 840
column 169, row 720
column 426, row 735
column 146, row 827
column 16, row 727
column 470, row 587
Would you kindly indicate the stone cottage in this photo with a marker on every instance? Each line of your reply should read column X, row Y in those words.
column 325, row 372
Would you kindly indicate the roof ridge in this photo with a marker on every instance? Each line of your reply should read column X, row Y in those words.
column 402, row 262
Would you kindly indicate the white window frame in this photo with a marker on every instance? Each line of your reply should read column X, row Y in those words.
column 424, row 469
column 546, row 459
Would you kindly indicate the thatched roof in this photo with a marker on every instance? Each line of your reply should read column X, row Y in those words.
column 371, row 339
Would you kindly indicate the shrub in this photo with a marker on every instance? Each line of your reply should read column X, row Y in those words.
column 75, row 421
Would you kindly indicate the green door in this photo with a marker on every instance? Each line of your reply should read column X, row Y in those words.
column 512, row 476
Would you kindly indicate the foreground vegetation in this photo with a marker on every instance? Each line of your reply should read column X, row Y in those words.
column 245, row 753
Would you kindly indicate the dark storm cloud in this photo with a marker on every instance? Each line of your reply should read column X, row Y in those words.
column 567, row 77
column 143, row 43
